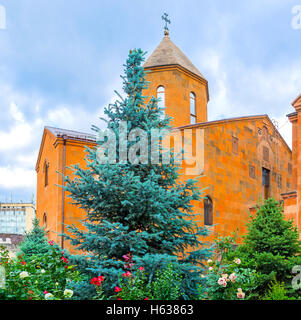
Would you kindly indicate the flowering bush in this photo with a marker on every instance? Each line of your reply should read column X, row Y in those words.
column 97, row 282
column 229, row 281
column 43, row 277
column 134, row 285
column 133, row 282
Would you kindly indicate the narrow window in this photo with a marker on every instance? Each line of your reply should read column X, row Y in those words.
column 46, row 167
column 161, row 100
column 235, row 145
column 266, row 182
column 192, row 108
column 45, row 220
column 208, row 211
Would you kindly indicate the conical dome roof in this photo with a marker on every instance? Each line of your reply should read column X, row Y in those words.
column 167, row 53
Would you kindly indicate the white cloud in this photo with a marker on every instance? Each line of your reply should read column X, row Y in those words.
column 11, row 178
column 15, row 112
column 17, row 137
column 237, row 89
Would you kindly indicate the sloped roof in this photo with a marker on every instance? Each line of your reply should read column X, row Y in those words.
column 297, row 101
column 243, row 118
column 167, row 53
column 71, row 134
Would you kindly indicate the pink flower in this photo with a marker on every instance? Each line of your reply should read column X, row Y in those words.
column 64, row 259
column 119, row 299
column 97, row 281
column 233, row 277
column 45, row 292
column 237, row 261
column 117, row 289
column 128, row 274
column 240, row 295
column 51, row 242
column 141, row 268
column 222, row 282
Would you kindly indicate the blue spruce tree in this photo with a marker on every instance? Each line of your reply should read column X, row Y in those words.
column 140, row 208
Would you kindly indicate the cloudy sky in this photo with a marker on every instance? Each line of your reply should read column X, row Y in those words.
column 60, row 62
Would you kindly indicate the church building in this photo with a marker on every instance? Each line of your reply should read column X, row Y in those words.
column 245, row 159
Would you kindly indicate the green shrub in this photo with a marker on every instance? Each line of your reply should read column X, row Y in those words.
column 167, row 285
column 48, row 276
column 277, row 291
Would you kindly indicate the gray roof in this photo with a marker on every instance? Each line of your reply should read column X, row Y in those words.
column 167, row 53
column 71, row 134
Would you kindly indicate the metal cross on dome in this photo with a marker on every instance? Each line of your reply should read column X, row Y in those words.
column 167, row 21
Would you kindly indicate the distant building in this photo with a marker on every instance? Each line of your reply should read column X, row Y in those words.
column 16, row 218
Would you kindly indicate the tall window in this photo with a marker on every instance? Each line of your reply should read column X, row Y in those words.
column 46, row 167
column 161, row 98
column 235, row 145
column 192, row 108
column 45, row 220
column 266, row 182
column 208, row 211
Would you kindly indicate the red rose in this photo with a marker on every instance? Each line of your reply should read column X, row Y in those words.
column 117, row 289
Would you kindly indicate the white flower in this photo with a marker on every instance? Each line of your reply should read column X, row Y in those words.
column 43, row 271
column 210, row 268
column 237, row 261
column 209, row 261
column 24, row 274
column 233, row 277
column 222, row 282
column 49, row 296
column 68, row 293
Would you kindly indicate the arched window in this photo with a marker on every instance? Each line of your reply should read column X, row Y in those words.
column 45, row 220
column 161, row 98
column 192, row 108
column 208, row 211
column 46, row 167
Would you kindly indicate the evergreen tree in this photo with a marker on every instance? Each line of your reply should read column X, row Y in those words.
column 271, row 244
column 140, row 208
column 34, row 242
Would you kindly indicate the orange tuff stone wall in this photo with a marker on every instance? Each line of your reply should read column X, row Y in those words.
column 178, row 84
column 232, row 185
column 290, row 207
column 50, row 198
